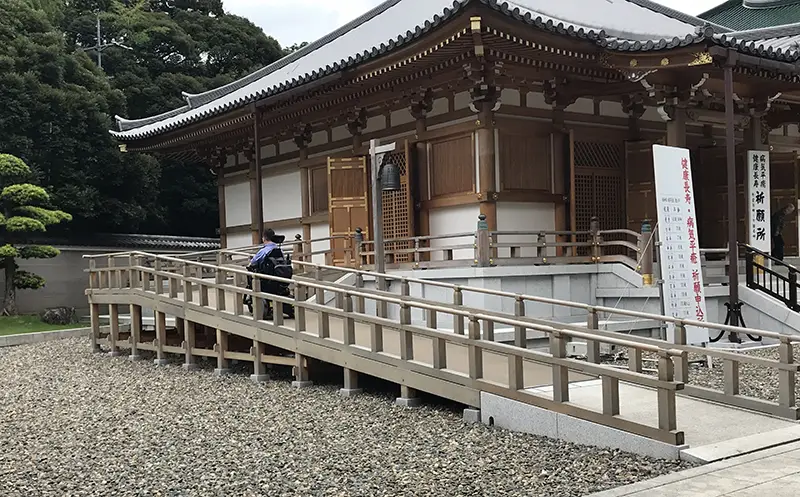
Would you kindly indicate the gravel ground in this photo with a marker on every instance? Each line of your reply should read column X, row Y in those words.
column 755, row 381
column 76, row 424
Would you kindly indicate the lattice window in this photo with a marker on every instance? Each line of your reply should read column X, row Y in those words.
column 599, row 155
column 599, row 189
column 398, row 211
column 609, row 195
column 584, row 207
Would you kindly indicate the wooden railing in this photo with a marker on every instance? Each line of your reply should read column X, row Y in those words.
column 462, row 363
column 480, row 248
column 785, row 366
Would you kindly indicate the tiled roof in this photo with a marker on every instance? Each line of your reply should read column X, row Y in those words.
column 134, row 242
column 735, row 15
column 624, row 25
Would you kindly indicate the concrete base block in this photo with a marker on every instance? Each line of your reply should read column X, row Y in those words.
column 302, row 384
column 521, row 417
column 472, row 416
column 114, row 353
column 160, row 362
column 350, row 392
column 222, row 372
column 259, row 378
column 191, row 367
column 408, row 402
column 134, row 358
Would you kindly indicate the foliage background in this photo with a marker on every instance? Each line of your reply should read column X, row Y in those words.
column 56, row 105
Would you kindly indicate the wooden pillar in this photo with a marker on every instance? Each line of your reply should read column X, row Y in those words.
column 259, row 373
column 94, row 316
column 301, row 377
column 223, row 237
column 421, row 105
column 676, row 128
column 189, row 338
column 303, row 139
column 136, row 331
column 161, row 338
column 220, row 348
column 113, row 316
column 561, row 174
column 486, row 166
column 253, row 155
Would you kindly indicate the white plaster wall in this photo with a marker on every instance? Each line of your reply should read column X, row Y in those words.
column 340, row 133
column 440, row 106
column 402, row 116
column 536, row 100
column 237, row 203
column 462, row 100
column 281, row 196
column 523, row 216
column 318, row 138
column 230, row 160
column 582, row 106
column 510, row 96
column 451, row 220
column 612, row 109
column 240, row 240
column 288, row 146
column 268, row 151
column 320, row 230
column 375, row 123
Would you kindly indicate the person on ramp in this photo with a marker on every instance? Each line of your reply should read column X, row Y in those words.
column 271, row 262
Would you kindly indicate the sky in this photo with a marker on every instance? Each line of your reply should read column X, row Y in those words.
column 295, row 21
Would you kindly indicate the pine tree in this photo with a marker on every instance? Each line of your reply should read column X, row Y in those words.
column 26, row 211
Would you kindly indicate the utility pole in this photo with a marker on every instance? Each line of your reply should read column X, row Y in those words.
column 99, row 46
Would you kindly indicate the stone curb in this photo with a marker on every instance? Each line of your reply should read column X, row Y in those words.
column 43, row 336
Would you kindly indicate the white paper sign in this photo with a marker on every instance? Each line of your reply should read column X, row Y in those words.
column 758, row 200
column 679, row 254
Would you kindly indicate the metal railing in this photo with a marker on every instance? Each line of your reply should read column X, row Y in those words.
column 762, row 274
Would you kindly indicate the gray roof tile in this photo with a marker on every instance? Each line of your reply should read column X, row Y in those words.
column 624, row 25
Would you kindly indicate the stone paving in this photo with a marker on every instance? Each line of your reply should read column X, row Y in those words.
column 769, row 473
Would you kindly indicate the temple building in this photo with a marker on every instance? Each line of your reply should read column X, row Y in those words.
column 538, row 115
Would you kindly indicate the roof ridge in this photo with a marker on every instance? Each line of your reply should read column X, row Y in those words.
column 198, row 99
column 769, row 32
column 678, row 15
column 722, row 6
column 128, row 124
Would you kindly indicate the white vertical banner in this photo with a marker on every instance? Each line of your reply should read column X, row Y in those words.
column 759, row 230
column 679, row 254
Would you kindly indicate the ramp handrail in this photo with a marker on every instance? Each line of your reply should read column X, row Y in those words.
column 179, row 274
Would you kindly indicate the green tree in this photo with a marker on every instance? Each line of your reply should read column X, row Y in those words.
column 26, row 211
column 56, row 104
column 55, row 107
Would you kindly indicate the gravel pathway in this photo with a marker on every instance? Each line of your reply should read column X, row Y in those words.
column 75, row 424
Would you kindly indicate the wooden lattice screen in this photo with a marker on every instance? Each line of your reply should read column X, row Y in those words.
column 398, row 209
column 599, row 187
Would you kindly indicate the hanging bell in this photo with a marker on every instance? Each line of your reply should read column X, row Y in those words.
column 390, row 175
